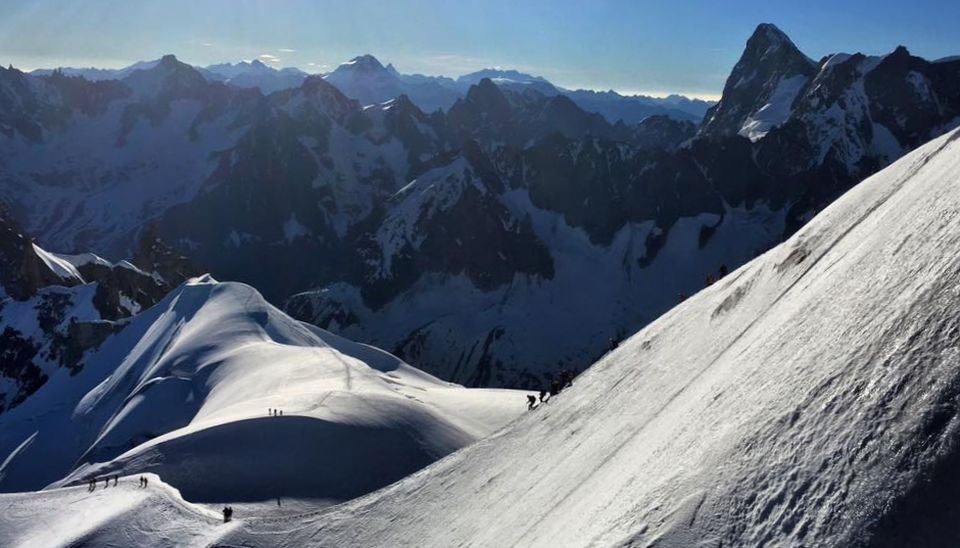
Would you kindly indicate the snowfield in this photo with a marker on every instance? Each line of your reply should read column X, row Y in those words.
column 185, row 389
column 809, row 398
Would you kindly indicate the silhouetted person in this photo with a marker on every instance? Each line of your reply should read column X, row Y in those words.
column 146, row 481
column 106, row 482
column 682, row 297
column 226, row 514
column 281, row 412
column 531, row 401
column 116, row 479
column 723, row 270
column 543, row 394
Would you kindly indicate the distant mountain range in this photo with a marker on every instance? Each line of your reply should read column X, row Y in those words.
column 510, row 236
column 365, row 79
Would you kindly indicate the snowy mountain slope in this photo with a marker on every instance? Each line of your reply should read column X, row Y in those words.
column 54, row 308
column 809, row 398
column 184, row 387
column 122, row 515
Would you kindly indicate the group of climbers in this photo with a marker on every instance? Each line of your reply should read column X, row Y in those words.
column 721, row 273
column 561, row 381
column 711, row 279
column 275, row 412
column 92, row 482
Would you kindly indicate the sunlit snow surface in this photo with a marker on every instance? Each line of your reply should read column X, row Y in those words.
column 185, row 391
column 807, row 399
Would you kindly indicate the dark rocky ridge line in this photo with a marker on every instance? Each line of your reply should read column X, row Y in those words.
column 66, row 330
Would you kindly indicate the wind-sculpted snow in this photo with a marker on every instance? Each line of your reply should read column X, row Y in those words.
column 184, row 388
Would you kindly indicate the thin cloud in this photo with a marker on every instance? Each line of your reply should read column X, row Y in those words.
column 207, row 45
column 286, row 50
column 269, row 58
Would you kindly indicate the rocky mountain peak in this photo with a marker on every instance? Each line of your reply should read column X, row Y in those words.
column 768, row 37
column 767, row 78
column 22, row 271
column 169, row 60
column 486, row 95
column 328, row 98
column 364, row 63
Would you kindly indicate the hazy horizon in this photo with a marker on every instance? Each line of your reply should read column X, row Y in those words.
column 654, row 48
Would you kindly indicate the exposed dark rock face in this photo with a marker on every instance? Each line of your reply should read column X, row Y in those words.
column 22, row 271
column 51, row 318
column 460, row 227
column 16, row 364
column 770, row 58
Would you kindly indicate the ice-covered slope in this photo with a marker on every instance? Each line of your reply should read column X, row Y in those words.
column 184, row 389
column 809, row 398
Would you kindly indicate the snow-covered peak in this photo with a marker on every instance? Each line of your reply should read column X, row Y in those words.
column 363, row 78
column 364, row 63
column 503, row 75
column 760, row 91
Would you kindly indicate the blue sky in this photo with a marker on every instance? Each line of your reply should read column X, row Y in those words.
column 684, row 46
